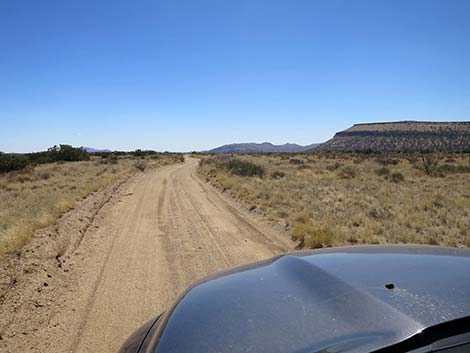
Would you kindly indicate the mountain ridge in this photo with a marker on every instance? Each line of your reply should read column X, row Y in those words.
column 401, row 136
column 265, row 147
column 96, row 150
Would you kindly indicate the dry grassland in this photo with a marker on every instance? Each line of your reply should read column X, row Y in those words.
column 356, row 199
column 34, row 198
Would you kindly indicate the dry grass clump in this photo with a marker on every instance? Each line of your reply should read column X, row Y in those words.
column 354, row 199
column 36, row 197
column 277, row 174
column 313, row 236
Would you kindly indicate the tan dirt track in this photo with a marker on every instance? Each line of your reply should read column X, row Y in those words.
column 164, row 230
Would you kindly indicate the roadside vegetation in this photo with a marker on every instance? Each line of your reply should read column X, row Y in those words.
column 325, row 200
column 36, row 194
column 11, row 162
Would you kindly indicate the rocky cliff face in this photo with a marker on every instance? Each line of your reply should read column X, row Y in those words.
column 407, row 136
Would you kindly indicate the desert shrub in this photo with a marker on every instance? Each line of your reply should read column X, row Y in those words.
column 67, row 153
column 347, row 173
column 387, row 161
column 244, row 168
column 142, row 153
column 59, row 154
column 332, row 167
column 382, row 171
column 113, row 159
column 215, row 160
column 140, row 165
column 377, row 213
column 397, row 177
column 450, row 169
column 301, row 217
column 277, row 174
column 304, row 166
column 44, row 175
column 313, row 236
column 412, row 159
column 428, row 164
column 10, row 162
column 296, row 161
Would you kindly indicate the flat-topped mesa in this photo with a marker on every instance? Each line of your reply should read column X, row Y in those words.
column 404, row 136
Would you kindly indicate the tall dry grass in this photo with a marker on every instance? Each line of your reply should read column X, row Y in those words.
column 34, row 198
column 325, row 200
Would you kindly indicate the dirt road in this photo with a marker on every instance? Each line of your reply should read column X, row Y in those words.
column 162, row 231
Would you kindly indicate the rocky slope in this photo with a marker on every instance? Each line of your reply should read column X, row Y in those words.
column 405, row 136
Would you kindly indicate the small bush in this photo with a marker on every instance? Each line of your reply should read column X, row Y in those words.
column 397, row 177
column 382, row 171
column 304, row 166
column 296, row 161
column 277, row 174
column 428, row 164
column 387, row 161
column 140, row 165
column 301, row 217
column 311, row 236
column 142, row 153
column 332, row 167
column 244, row 168
column 44, row 175
column 347, row 173
column 113, row 159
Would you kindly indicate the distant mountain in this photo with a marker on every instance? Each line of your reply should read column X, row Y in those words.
column 94, row 150
column 403, row 136
column 265, row 147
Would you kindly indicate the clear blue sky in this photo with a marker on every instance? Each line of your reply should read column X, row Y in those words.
column 193, row 74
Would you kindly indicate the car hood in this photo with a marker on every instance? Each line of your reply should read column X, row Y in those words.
column 332, row 300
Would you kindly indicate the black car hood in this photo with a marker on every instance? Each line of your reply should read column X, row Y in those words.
column 332, row 300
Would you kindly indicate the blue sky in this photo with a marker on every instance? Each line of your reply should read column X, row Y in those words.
column 185, row 75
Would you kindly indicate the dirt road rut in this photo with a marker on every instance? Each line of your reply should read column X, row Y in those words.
column 164, row 230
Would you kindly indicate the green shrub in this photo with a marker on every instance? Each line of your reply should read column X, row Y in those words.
column 142, row 153
column 67, row 153
column 10, row 162
column 244, row 168
column 59, row 153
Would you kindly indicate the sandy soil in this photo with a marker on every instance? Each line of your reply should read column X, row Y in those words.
column 122, row 256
